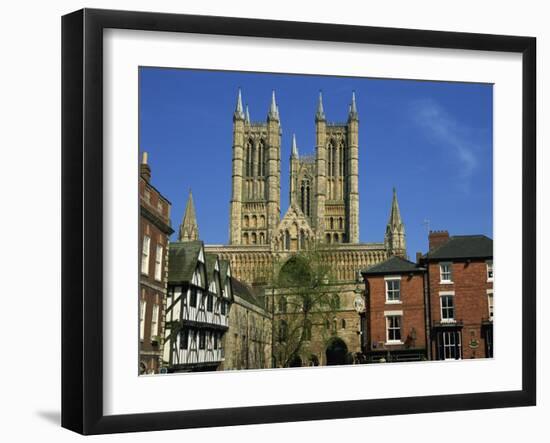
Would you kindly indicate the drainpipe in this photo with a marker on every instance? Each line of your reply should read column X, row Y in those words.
column 427, row 308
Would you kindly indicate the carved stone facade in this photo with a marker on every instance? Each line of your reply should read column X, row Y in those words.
column 323, row 211
column 248, row 342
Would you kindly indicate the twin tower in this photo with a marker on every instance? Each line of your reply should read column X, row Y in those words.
column 324, row 186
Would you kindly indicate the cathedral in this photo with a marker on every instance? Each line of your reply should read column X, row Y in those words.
column 323, row 213
column 324, row 199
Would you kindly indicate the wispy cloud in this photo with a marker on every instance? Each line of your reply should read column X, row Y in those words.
column 449, row 134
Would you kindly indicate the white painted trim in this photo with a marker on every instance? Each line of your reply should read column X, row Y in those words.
column 390, row 313
column 392, row 277
column 441, row 293
column 445, row 282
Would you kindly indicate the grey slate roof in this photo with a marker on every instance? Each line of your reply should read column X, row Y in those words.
column 463, row 247
column 182, row 260
column 210, row 265
column 224, row 264
column 247, row 293
column 393, row 265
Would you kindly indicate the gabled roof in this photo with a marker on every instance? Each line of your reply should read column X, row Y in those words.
column 463, row 247
column 211, row 260
column 393, row 265
column 247, row 293
column 294, row 215
column 224, row 265
column 182, row 260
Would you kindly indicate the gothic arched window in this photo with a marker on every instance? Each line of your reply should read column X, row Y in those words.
column 302, row 239
column 254, row 238
column 331, row 223
column 261, row 158
column 307, row 330
column 283, row 331
column 342, row 158
column 333, row 155
column 287, row 240
column 254, row 221
column 262, row 221
column 341, row 223
column 246, row 221
column 282, row 305
column 248, row 156
column 328, row 238
column 307, row 200
column 245, row 238
column 262, row 238
column 302, row 197
column 330, row 159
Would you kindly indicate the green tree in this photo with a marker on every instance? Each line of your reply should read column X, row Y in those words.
column 303, row 300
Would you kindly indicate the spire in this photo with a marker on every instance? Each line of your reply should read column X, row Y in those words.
column 394, row 240
column 320, row 115
column 239, row 115
column 353, row 115
column 247, row 115
column 395, row 216
column 189, row 230
column 294, row 147
column 273, row 109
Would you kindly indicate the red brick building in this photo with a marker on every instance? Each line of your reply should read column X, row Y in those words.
column 395, row 311
column 154, row 232
column 460, row 275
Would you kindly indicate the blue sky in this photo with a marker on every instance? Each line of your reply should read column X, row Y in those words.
column 433, row 141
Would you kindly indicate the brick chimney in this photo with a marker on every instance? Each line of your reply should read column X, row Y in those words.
column 437, row 238
column 144, row 169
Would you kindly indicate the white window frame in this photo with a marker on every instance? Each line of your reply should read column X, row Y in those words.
column 392, row 279
column 490, row 304
column 155, row 321
column 387, row 315
column 447, row 294
column 158, row 262
column 441, row 279
column 490, row 270
column 145, row 253
column 458, row 345
column 142, row 310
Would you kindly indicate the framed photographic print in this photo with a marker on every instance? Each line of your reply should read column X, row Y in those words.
column 270, row 221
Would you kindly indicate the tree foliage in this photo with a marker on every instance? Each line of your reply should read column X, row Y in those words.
column 304, row 305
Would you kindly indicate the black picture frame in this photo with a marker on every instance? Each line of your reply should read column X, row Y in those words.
column 82, row 217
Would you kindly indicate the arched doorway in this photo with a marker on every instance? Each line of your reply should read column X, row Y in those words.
column 295, row 362
column 336, row 352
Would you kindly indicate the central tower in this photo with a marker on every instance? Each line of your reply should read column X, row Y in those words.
column 336, row 206
column 255, row 199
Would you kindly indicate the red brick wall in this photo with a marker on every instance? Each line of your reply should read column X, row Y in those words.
column 412, row 305
column 470, row 287
column 152, row 291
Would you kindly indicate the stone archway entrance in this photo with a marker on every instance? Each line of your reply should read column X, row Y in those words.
column 337, row 351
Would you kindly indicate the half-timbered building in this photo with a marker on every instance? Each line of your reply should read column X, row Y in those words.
column 198, row 302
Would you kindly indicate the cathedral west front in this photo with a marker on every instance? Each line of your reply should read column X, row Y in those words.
column 323, row 213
